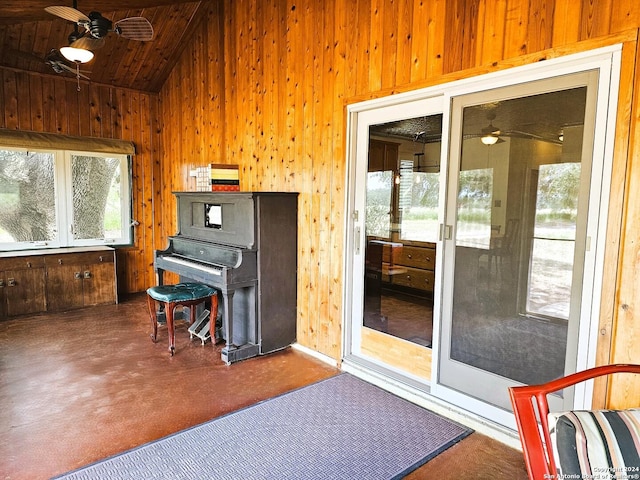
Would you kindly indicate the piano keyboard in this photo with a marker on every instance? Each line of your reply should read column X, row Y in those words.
column 208, row 268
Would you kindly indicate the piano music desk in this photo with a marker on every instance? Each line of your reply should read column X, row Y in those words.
column 184, row 294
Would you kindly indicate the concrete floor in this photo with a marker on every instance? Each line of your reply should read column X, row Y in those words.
column 79, row 386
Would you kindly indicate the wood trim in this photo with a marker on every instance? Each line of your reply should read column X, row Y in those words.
column 402, row 354
column 611, row 275
column 25, row 138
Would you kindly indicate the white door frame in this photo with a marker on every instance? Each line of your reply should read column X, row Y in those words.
column 607, row 60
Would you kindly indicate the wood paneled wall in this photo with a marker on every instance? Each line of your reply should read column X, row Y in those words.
column 53, row 104
column 266, row 82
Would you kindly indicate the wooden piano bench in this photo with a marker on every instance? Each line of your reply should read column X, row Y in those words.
column 184, row 294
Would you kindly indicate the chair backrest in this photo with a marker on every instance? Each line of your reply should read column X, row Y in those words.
column 531, row 408
column 511, row 233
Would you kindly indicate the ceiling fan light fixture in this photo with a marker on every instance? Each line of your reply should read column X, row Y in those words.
column 489, row 139
column 490, row 134
column 76, row 55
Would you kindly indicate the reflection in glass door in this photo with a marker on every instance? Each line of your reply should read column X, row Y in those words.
column 521, row 214
column 552, row 245
column 401, row 227
column 398, row 192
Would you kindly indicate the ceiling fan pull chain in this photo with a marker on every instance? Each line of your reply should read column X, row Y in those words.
column 78, row 74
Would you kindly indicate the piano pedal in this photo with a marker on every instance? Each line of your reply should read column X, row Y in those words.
column 201, row 327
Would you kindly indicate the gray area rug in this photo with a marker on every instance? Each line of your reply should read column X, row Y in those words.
column 339, row 428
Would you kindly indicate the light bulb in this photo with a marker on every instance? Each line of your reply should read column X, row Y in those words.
column 489, row 139
column 76, row 55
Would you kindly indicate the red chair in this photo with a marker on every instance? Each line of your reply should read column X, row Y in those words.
column 534, row 429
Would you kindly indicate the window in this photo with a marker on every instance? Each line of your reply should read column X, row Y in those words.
column 379, row 195
column 60, row 198
column 474, row 208
column 419, row 190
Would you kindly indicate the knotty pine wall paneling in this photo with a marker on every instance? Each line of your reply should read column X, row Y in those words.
column 52, row 104
column 192, row 123
column 282, row 72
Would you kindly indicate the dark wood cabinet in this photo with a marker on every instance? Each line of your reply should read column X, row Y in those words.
column 22, row 286
column 383, row 156
column 417, row 264
column 55, row 280
column 80, row 279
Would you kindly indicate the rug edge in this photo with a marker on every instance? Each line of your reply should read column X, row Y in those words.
column 434, row 454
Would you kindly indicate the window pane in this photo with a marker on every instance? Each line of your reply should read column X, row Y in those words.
column 379, row 189
column 96, row 197
column 418, row 204
column 27, row 197
column 551, row 268
column 474, row 208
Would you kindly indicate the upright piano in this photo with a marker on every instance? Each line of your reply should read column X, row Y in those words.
column 245, row 245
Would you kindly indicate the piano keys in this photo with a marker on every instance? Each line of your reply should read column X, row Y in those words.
column 245, row 245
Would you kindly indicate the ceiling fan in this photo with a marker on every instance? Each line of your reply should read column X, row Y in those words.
column 53, row 59
column 58, row 64
column 90, row 31
column 490, row 135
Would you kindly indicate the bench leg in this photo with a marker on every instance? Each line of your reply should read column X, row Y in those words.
column 170, row 307
column 151, row 303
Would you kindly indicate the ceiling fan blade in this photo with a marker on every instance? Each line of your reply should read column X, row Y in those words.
column 30, row 57
column 68, row 13
column 54, row 55
column 88, row 43
column 134, row 28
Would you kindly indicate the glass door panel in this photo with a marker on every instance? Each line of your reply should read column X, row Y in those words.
column 398, row 190
column 401, row 227
column 520, row 204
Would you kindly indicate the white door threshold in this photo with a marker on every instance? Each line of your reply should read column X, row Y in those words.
column 419, row 394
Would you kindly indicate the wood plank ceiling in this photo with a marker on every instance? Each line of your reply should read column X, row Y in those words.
column 28, row 33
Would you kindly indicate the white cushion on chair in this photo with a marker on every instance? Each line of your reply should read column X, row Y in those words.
column 602, row 444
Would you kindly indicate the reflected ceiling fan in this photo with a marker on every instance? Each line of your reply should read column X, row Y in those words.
column 490, row 135
column 90, row 30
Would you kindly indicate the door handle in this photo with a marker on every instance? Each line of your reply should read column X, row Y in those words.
column 445, row 232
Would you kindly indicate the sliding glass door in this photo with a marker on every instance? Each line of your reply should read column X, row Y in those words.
column 476, row 231
column 397, row 208
column 519, row 204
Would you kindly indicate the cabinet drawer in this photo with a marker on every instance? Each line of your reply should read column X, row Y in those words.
column 18, row 263
column 418, row 257
column 415, row 278
column 83, row 258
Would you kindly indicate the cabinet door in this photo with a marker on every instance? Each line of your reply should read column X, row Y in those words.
column 25, row 291
column 383, row 156
column 3, row 295
column 64, row 287
column 99, row 283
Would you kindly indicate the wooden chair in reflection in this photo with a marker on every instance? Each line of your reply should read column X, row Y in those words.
column 502, row 247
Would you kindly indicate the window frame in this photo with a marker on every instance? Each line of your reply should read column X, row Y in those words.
column 63, row 194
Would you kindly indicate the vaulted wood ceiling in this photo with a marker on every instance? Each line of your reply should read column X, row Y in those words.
column 28, row 33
